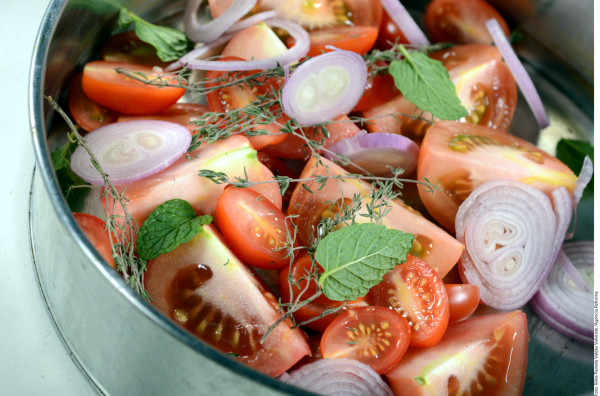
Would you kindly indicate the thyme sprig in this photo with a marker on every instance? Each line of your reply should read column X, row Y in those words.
column 121, row 227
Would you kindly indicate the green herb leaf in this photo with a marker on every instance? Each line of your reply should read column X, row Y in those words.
column 426, row 83
column 355, row 258
column 572, row 152
column 171, row 44
column 67, row 179
column 168, row 226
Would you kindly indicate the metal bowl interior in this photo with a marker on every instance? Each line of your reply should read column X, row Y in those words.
column 121, row 342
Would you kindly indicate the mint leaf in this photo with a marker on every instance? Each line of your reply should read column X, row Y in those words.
column 426, row 83
column 171, row 44
column 356, row 257
column 168, row 226
column 67, row 179
column 572, row 152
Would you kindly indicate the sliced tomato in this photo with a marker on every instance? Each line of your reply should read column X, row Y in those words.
column 300, row 284
column 359, row 39
column 389, row 33
column 85, row 112
column 233, row 156
column 318, row 14
column 376, row 336
column 474, row 154
column 123, row 94
column 461, row 21
column 484, row 85
column 313, row 201
column 416, row 291
column 95, row 230
column 380, row 89
column 463, row 300
column 280, row 168
column 238, row 96
column 255, row 229
column 180, row 113
column 206, row 289
column 483, row 355
column 295, row 147
column 127, row 47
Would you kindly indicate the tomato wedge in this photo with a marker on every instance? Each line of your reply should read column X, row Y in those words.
column 294, row 283
column 483, row 355
column 123, row 94
column 389, row 33
column 359, row 39
column 461, row 21
column 376, row 336
column 85, row 112
column 255, row 229
column 180, row 113
column 415, row 290
column 95, row 230
column 238, row 96
column 206, row 289
column 474, row 154
column 463, row 300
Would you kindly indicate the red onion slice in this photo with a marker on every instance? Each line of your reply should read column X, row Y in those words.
column 512, row 234
column 324, row 87
column 338, row 377
column 405, row 22
column 207, row 32
column 518, row 70
column 375, row 153
column 560, row 303
column 130, row 150
column 293, row 54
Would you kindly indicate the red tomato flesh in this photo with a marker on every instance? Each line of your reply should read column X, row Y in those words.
column 180, row 113
column 359, row 39
column 255, row 229
column 416, row 291
column 123, row 94
column 208, row 291
column 484, row 355
column 376, row 336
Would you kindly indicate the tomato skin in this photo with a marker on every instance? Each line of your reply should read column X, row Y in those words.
column 474, row 154
column 491, row 346
column 389, row 32
column 376, row 336
column 416, row 290
column 300, row 268
column 203, row 287
column 359, row 39
column 95, row 230
column 379, row 90
column 463, row 300
column 254, row 228
column 225, row 100
column 123, row 94
column 180, row 113
column 85, row 112
column 461, row 21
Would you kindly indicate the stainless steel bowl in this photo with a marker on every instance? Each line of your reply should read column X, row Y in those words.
column 122, row 344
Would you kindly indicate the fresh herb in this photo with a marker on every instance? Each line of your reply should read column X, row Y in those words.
column 426, row 83
column 356, row 257
column 572, row 152
column 169, row 225
column 67, row 179
column 170, row 44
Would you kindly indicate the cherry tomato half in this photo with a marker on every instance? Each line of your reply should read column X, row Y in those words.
column 461, row 21
column 376, row 336
column 103, row 84
column 300, row 281
column 359, row 39
column 415, row 290
column 255, row 229
column 95, row 230
column 463, row 300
